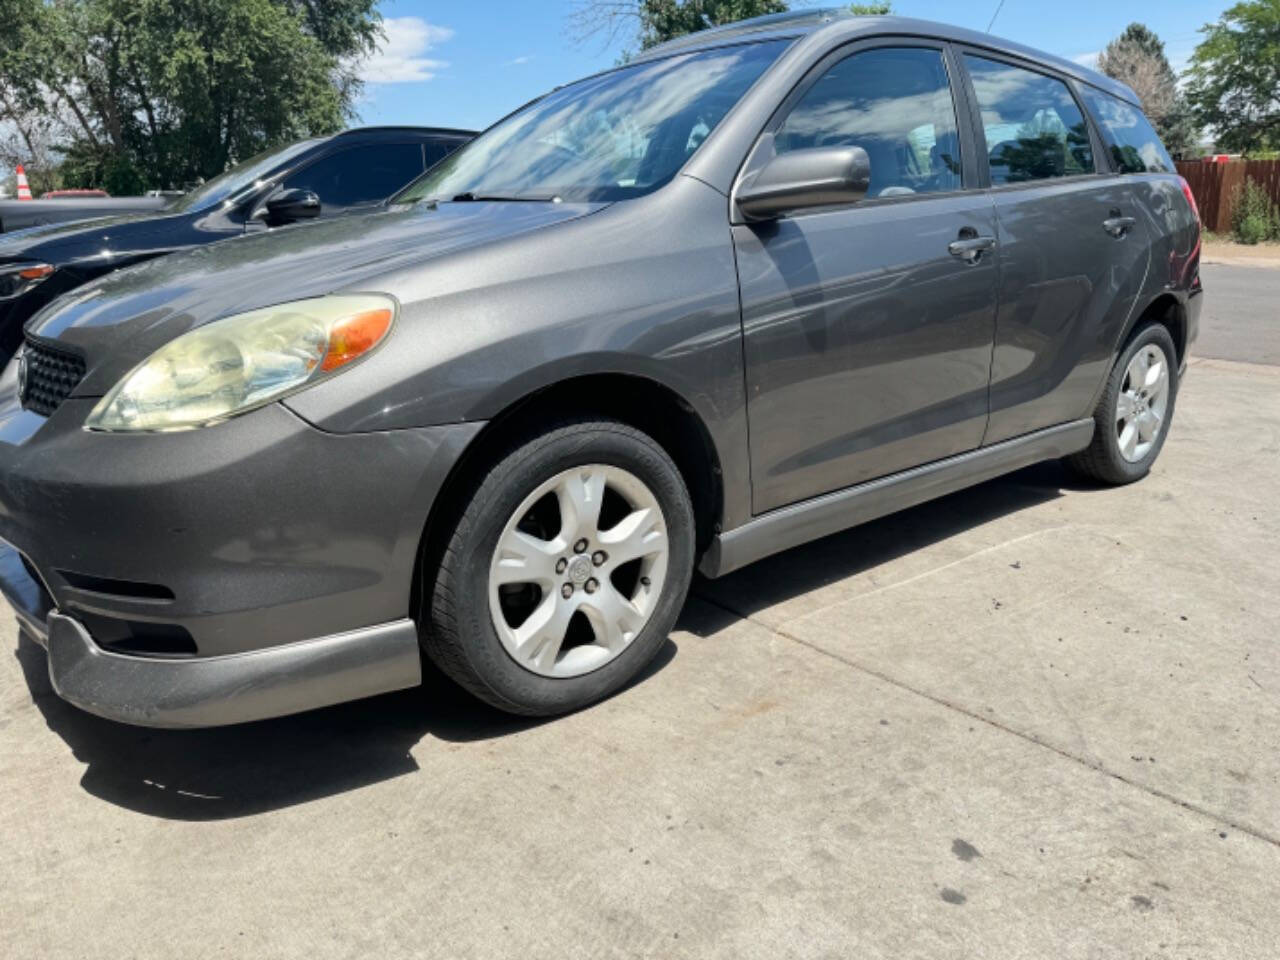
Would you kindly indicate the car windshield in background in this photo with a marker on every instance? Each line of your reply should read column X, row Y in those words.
column 238, row 177
column 612, row 137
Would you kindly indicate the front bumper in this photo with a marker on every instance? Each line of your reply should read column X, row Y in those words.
column 211, row 691
column 252, row 569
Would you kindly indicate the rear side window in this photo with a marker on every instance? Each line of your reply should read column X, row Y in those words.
column 360, row 175
column 1033, row 126
column 894, row 103
column 1134, row 145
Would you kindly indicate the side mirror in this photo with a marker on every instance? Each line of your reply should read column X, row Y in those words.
column 805, row 178
column 289, row 206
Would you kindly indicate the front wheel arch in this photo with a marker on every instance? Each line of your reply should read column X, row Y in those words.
column 639, row 402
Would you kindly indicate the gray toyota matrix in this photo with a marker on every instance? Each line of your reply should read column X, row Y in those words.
column 758, row 285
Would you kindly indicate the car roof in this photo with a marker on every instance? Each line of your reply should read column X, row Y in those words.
column 381, row 131
column 841, row 24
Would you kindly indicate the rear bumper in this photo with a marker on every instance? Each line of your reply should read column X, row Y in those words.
column 1193, row 309
column 210, row 691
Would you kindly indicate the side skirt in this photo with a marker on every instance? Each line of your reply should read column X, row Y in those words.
column 799, row 523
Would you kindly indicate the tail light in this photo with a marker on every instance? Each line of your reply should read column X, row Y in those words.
column 1191, row 198
column 1192, row 262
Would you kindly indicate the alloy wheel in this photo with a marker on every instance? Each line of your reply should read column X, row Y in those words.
column 578, row 570
column 1142, row 402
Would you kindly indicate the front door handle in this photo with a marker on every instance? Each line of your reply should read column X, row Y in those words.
column 970, row 249
column 1118, row 227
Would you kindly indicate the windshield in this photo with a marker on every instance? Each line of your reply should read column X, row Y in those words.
column 238, row 177
column 611, row 137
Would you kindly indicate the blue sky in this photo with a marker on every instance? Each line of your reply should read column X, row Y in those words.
column 467, row 64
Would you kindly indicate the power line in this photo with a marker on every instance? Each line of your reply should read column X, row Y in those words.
column 999, row 7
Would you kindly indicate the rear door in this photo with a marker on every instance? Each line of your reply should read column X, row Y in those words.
column 1073, row 249
column 867, row 340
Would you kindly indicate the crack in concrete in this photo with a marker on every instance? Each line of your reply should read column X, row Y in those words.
column 1032, row 738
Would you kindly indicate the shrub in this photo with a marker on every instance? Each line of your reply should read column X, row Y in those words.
column 1254, row 216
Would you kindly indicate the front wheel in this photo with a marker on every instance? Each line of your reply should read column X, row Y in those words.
column 565, row 571
column 1132, row 418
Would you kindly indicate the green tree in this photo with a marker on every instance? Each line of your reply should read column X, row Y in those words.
column 1235, row 77
column 663, row 20
column 650, row 22
column 1137, row 58
column 161, row 93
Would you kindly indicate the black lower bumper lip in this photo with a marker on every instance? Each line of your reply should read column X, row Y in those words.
column 209, row 691
column 237, row 688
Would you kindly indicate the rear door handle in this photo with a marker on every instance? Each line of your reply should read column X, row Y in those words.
column 1118, row 227
column 970, row 249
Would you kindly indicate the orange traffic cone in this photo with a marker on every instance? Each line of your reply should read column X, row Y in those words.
column 24, row 188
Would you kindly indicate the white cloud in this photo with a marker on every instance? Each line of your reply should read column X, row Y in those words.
column 518, row 61
column 1089, row 60
column 401, row 57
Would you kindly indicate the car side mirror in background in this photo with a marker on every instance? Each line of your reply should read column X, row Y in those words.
column 805, row 178
column 289, row 206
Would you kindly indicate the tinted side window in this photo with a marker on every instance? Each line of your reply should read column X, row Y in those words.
column 360, row 175
column 1033, row 126
column 433, row 151
column 1134, row 145
column 894, row 103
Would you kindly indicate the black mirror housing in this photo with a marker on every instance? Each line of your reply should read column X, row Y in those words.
column 290, row 206
column 805, row 178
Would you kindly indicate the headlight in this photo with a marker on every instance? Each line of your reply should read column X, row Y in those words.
column 234, row 365
column 17, row 278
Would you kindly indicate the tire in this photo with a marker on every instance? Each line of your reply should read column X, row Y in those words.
column 509, row 662
column 1114, row 456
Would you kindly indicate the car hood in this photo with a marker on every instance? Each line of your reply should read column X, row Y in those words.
column 54, row 241
column 118, row 321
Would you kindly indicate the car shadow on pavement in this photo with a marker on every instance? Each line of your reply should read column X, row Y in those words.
column 813, row 566
column 229, row 772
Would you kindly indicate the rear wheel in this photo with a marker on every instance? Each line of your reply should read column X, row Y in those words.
column 565, row 572
column 1132, row 418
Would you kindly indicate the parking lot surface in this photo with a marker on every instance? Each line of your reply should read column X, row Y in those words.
column 1032, row 719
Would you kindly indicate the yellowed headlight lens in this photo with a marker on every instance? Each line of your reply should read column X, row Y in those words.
column 240, row 363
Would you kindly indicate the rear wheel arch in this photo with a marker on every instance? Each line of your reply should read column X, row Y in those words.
column 1169, row 311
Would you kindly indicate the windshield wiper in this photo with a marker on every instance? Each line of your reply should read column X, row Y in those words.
column 471, row 196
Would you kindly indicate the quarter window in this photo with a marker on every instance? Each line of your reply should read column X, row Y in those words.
column 1033, row 126
column 1134, row 145
column 896, row 104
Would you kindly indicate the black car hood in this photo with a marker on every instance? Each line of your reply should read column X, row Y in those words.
column 61, row 243
column 118, row 321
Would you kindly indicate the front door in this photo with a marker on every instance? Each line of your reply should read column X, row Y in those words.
column 868, row 328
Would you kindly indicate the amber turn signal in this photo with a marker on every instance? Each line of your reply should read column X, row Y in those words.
column 355, row 336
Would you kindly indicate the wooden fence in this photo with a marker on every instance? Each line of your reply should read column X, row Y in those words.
column 1214, row 186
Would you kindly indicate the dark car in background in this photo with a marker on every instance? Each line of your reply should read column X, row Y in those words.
column 16, row 215
column 303, row 180
column 501, row 420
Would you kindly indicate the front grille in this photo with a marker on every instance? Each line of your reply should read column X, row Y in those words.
column 48, row 375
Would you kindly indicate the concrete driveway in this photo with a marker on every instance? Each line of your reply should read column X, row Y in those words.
column 1034, row 719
